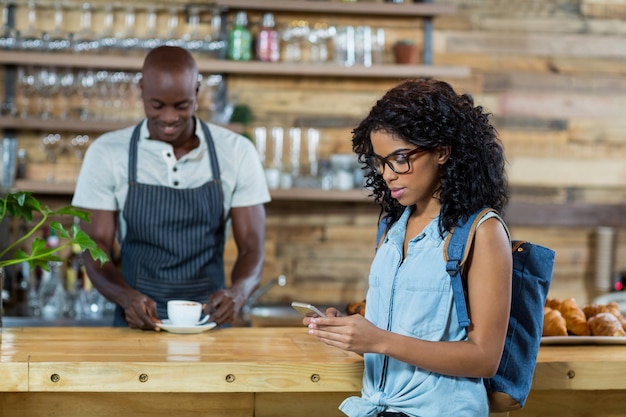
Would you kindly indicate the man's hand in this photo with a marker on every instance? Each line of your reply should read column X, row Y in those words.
column 141, row 312
column 224, row 306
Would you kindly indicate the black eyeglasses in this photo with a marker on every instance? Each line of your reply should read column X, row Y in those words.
column 398, row 162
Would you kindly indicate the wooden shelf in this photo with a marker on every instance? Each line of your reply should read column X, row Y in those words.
column 216, row 66
column 292, row 194
column 58, row 125
column 519, row 212
column 74, row 125
column 425, row 9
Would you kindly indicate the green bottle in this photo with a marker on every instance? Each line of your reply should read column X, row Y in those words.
column 240, row 39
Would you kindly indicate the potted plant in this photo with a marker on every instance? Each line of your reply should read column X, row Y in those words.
column 23, row 205
column 405, row 51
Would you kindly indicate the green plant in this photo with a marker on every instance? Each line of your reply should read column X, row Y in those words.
column 22, row 205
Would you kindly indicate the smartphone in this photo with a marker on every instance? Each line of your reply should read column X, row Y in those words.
column 307, row 309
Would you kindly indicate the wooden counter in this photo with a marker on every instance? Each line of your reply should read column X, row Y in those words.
column 227, row 372
column 261, row 372
column 577, row 381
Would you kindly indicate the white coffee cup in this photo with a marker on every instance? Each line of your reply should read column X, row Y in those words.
column 185, row 313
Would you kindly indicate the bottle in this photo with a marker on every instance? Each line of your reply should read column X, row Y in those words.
column 240, row 39
column 267, row 42
column 21, row 163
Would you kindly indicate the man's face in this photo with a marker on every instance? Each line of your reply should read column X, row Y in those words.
column 169, row 100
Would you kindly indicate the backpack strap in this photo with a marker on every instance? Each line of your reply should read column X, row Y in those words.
column 455, row 252
column 382, row 229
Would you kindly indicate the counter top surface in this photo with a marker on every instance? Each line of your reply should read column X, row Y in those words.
column 107, row 359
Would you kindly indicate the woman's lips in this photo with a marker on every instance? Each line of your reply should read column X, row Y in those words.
column 396, row 192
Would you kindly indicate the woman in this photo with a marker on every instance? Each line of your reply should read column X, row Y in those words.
column 431, row 159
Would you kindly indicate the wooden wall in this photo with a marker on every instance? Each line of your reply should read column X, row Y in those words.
column 551, row 72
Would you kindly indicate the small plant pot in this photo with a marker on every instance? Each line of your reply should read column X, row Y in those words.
column 405, row 53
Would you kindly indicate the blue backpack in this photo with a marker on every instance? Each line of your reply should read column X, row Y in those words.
column 532, row 274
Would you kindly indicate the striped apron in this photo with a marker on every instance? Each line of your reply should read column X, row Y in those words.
column 174, row 243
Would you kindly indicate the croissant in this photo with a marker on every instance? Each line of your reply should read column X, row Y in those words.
column 553, row 323
column 605, row 324
column 575, row 319
column 357, row 307
column 591, row 310
column 553, row 303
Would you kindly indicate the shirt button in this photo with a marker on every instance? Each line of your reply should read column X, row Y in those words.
column 176, row 183
column 174, row 169
column 169, row 155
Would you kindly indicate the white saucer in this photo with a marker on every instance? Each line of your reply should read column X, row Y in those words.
column 168, row 326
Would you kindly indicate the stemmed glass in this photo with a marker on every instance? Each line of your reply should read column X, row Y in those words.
column 25, row 88
column 193, row 39
column 31, row 39
column 52, row 146
column 86, row 89
column 150, row 38
column 107, row 39
column 172, row 38
column 8, row 36
column 127, row 39
column 68, row 88
column 46, row 86
column 85, row 40
column 79, row 144
column 58, row 39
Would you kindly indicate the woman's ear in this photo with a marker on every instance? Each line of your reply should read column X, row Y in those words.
column 443, row 154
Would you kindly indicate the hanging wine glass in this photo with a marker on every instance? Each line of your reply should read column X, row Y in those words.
column 8, row 36
column 31, row 39
column 51, row 144
column 194, row 41
column 67, row 86
column 58, row 39
column 78, row 145
column 107, row 39
column 85, row 40
column 86, row 90
column 127, row 39
column 150, row 39
column 25, row 90
column 172, row 38
column 46, row 86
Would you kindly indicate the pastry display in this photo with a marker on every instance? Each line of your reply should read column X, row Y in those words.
column 357, row 307
column 567, row 318
column 605, row 324
column 553, row 323
column 553, row 303
column 591, row 310
column 575, row 318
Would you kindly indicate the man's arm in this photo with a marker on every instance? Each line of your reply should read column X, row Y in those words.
column 248, row 225
column 107, row 278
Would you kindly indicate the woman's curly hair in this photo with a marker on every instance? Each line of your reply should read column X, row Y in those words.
column 429, row 114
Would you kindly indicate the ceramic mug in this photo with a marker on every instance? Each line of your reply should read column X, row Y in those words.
column 185, row 313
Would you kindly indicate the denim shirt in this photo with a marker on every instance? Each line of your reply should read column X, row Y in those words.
column 413, row 298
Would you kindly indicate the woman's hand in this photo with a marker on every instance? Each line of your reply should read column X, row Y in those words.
column 353, row 333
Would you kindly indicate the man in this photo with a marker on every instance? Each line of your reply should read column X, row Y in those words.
column 167, row 190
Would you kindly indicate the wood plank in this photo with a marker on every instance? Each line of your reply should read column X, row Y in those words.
column 45, row 404
column 607, row 9
column 310, row 405
column 559, row 403
column 382, row 9
column 570, row 172
column 539, row 44
column 575, row 213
